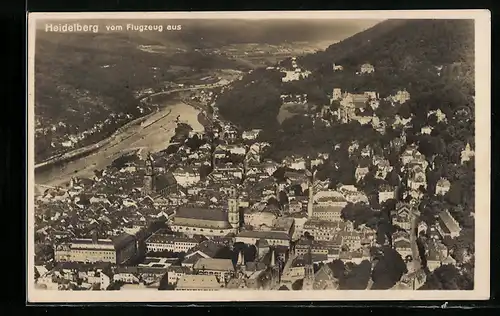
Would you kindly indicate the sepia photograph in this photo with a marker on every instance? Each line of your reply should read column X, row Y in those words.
column 258, row 156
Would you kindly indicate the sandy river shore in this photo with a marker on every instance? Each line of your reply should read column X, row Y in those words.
column 153, row 134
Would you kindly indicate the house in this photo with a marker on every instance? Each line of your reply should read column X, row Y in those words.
column 447, row 225
column 417, row 178
column 227, row 172
column 355, row 257
column 198, row 283
column 317, row 247
column 387, row 192
column 251, row 135
column 426, row 130
column 274, row 238
column 435, row 253
column 323, row 230
column 466, row 154
column 401, row 243
column 219, row 153
column 328, row 205
column 223, row 269
column 351, row 239
column 413, row 156
column 296, row 163
column 360, row 173
column 127, row 275
column 383, row 168
column 186, row 176
column 352, row 195
column 206, row 249
column 236, row 150
column 441, row 117
column 367, row 69
column 349, row 104
column 163, row 242
column 367, row 152
column 174, row 273
column 442, row 186
column 336, row 94
column 117, row 250
column 401, row 96
column 402, row 216
column 337, row 67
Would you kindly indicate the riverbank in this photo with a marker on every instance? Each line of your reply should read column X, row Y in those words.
column 153, row 137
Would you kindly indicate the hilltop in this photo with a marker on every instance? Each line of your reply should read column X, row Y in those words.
column 400, row 43
column 83, row 79
column 423, row 56
column 431, row 60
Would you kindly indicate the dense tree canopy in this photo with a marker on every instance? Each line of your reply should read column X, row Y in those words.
column 388, row 270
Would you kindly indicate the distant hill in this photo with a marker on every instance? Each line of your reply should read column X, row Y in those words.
column 407, row 54
column 82, row 79
column 399, row 43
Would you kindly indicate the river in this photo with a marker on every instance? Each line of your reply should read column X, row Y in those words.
column 153, row 134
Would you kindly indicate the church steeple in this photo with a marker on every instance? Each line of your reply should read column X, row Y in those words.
column 310, row 203
column 241, row 259
column 149, row 175
column 233, row 209
column 275, row 270
column 309, row 272
column 273, row 259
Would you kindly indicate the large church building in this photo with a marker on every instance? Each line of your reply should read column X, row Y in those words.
column 207, row 221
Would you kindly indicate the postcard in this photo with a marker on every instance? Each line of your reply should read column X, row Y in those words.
column 258, row 156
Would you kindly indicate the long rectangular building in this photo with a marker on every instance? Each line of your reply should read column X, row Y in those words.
column 117, row 250
column 162, row 242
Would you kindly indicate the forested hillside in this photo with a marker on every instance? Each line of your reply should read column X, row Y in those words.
column 434, row 61
column 83, row 79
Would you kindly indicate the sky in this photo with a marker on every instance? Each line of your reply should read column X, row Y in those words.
column 241, row 31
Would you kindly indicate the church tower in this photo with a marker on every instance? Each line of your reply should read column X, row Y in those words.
column 309, row 272
column 149, row 176
column 310, row 202
column 234, row 210
column 275, row 270
column 241, row 261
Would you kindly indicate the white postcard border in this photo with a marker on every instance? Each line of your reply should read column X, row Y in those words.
column 482, row 158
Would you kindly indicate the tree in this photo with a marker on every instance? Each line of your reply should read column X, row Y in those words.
column 454, row 195
column 224, row 253
column 385, row 110
column 297, row 285
column 393, row 178
column 308, row 236
column 388, row 270
column 447, row 277
column 404, row 111
column 194, row 142
column 164, row 285
column 204, row 171
column 357, row 278
column 338, row 268
column 283, row 198
column 358, row 213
